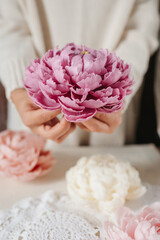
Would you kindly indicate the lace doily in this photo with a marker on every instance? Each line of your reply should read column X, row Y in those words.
column 48, row 217
column 53, row 216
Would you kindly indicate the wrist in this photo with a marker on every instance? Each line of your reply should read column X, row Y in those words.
column 17, row 94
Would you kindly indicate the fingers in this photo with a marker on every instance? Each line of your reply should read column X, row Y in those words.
column 38, row 117
column 48, row 125
column 80, row 125
column 40, row 121
column 58, row 132
column 62, row 138
column 94, row 125
column 31, row 114
column 102, row 122
column 112, row 119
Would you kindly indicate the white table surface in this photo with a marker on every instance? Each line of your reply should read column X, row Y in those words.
column 146, row 158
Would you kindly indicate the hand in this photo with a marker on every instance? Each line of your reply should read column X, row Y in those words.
column 40, row 121
column 102, row 122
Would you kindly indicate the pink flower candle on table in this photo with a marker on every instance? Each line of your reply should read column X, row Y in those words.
column 78, row 80
column 22, row 155
column 142, row 226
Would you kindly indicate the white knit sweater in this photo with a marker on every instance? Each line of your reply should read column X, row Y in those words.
column 28, row 28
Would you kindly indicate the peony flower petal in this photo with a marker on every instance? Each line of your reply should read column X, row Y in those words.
column 95, row 64
column 61, row 76
column 90, row 82
column 79, row 94
column 70, row 104
column 127, row 221
column 62, row 87
column 110, row 108
column 45, row 103
column 91, row 103
column 76, row 66
column 111, row 77
column 48, row 92
column 78, row 116
column 145, row 231
column 27, row 162
column 112, row 232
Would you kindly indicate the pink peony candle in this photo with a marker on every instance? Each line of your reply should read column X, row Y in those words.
column 142, row 226
column 78, row 80
column 22, row 155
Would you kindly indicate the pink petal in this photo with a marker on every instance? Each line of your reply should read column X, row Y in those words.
column 127, row 221
column 78, row 116
column 91, row 82
column 70, row 104
column 45, row 103
column 49, row 92
column 79, row 94
column 111, row 78
column 96, row 64
column 112, row 232
column 146, row 232
column 76, row 66
column 91, row 103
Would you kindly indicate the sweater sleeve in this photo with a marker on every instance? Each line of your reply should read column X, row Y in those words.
column 139, row 41
column 16, row 46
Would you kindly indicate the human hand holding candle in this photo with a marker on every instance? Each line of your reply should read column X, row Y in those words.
column 80, row 81
column 102, row 122
column 88, row 86
column 42, row 122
